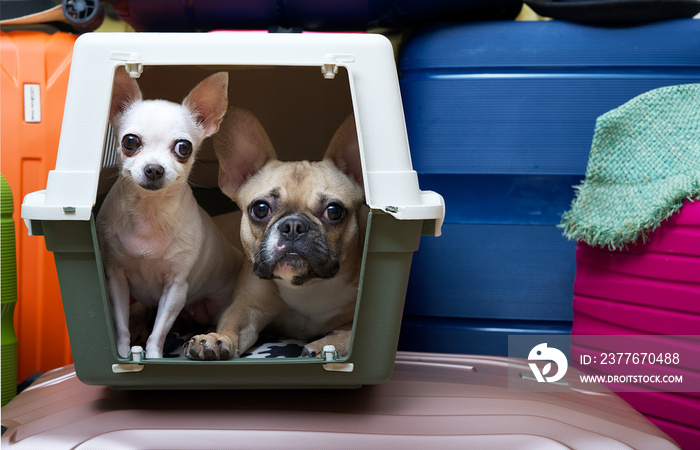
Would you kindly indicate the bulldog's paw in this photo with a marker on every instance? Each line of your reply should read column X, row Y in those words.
column 210, row 347
column 340, row 339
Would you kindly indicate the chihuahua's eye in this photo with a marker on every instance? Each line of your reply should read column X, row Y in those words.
column 260, row 210
column 131, row 143
column 334, row 212
column 182, row 149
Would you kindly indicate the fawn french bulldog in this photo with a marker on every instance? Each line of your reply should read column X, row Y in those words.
column 302, row 235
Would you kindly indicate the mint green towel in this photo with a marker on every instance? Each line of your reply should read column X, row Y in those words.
column 644, row 162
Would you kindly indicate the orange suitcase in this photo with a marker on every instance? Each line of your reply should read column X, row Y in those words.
column 34, row 79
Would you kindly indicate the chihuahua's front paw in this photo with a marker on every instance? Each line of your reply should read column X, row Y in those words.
column 340, row 339
column 210, row 347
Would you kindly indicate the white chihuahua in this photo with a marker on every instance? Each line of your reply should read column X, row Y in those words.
column 159, row 247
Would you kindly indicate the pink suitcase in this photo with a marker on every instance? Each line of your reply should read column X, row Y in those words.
column 432, row 401
column 651, row 288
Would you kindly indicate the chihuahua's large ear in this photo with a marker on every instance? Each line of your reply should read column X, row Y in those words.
column 208, row 101
column 242, row 147
column 124, row 92
column 344, row 150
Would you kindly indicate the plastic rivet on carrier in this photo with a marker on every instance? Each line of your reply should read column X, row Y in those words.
column 329, row 353
column 133, row 62
column 330, row 68
column 137, row 353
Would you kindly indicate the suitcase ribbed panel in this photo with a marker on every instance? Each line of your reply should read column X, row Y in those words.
column 651, row 288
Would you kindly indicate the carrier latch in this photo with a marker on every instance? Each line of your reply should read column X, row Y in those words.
column 133, row 62
column 329, row 354
column 330, row 67
column 136, row 355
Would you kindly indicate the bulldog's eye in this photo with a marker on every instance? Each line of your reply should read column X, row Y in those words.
column 334, row 212
column 182, row 149
column 131, row 144
column 260, row 210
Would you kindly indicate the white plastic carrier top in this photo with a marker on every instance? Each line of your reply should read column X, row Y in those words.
column 391, row 184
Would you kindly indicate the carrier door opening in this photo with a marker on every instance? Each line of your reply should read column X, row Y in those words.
column 298, row 222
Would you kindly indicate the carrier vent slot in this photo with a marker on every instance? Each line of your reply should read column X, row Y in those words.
column 111, row 157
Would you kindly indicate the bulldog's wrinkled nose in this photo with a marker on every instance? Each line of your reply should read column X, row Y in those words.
column 293, row 227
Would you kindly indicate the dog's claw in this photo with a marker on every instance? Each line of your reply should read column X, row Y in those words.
column 209, row 347
column 308, row 353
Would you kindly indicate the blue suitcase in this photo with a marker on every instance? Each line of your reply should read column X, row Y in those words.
column 500, row 118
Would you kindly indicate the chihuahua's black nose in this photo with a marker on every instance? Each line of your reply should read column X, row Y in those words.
column 293, row 227
column 154, row 171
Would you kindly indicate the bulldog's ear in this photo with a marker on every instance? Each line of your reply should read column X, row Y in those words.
column 344, row 150
column 242, row 147
column 125, row 91
column 208, row 101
